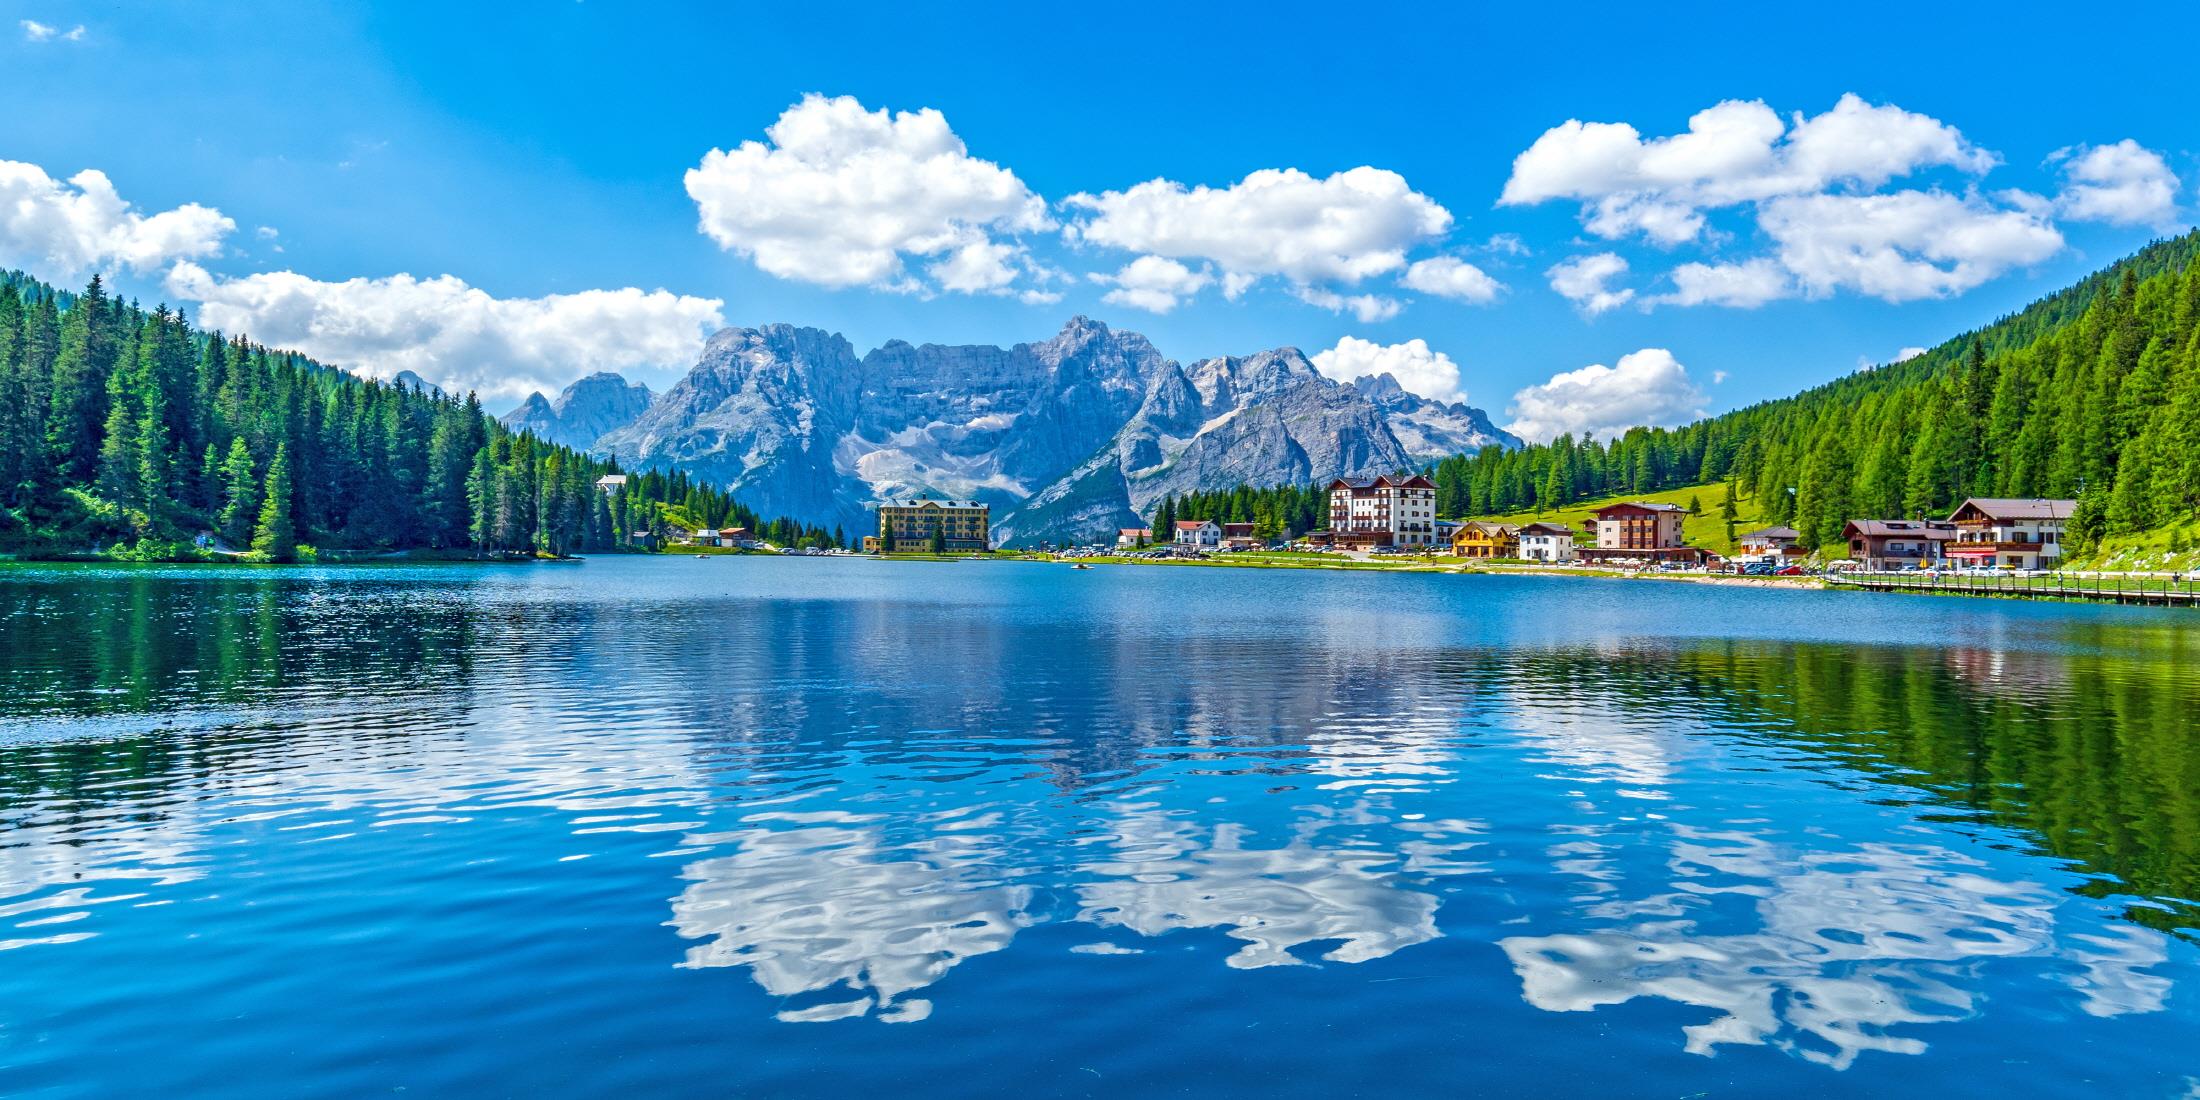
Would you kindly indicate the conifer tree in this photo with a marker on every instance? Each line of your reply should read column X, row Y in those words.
column 274, row 538
column 240, row 493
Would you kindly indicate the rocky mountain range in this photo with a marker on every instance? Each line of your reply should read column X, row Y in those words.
column 582, row 413
column 1068, row 437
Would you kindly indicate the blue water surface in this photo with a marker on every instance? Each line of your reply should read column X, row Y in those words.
column 786, row 827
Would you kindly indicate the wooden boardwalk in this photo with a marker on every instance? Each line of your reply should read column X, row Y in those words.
column 2144, row 591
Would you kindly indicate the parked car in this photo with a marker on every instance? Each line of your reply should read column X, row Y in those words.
column 1791, row 571
column 1758, row 569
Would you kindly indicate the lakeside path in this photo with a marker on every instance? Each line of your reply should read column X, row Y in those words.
column 2074, row 587
column 1371, row 563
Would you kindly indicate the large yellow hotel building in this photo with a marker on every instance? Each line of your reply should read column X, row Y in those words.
column 906, row 526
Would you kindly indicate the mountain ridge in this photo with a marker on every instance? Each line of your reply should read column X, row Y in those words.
column 1067, row 437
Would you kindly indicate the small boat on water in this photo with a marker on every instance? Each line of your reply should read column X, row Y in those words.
column 1082, row 565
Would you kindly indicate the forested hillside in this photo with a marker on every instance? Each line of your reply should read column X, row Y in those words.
column 2092, row 393
column 128, row 432
column 1277, row 512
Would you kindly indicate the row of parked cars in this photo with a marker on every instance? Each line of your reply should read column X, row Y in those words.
column 1769, row 569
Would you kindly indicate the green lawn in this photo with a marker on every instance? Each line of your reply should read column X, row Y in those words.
column 1706, row 529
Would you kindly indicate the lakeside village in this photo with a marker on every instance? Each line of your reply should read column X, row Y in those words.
column 1390, row 516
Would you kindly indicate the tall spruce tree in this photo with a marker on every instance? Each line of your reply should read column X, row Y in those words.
column 274, row 537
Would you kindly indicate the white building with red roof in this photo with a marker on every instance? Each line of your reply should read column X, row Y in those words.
column 1382, row 511
column 1198, row 534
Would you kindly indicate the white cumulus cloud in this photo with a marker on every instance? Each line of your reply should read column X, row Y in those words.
column 452, row 334
column 1451, row 277
column 1416, row 368
column 843, row 196
column 1744, row 285
column 60, row 230
column 1732, row 153
column 35, row 31
column 2125, row 184
column 1648, row 388
column 1154, row 284
column 1367, row 308
column 1907, row 244
column 1815, row 186
column 1586, row 282
column 1316, row 233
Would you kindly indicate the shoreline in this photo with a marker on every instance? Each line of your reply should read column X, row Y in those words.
column 1417, row 565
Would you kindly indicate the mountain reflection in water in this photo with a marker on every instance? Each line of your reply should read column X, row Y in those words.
column 916, row 796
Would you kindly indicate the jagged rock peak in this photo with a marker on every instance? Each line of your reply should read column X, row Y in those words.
column 1379, row 387
column 583, row 411
column 408, row 379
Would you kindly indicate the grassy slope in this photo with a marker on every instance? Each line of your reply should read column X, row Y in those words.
column 1706, row 530
column 2175, row 547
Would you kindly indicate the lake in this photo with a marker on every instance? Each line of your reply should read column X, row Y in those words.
column 800, row 827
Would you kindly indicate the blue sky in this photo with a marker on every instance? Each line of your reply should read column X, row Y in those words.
column 536, row 153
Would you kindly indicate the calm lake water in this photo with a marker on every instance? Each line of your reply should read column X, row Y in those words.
column 828, row 827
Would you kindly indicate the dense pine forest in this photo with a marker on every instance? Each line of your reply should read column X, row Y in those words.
column 2091, row 393
column 1275, row 512
column 127, row 433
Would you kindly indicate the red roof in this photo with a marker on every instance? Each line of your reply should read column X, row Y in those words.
column 1190, row 524
column 1637, row 508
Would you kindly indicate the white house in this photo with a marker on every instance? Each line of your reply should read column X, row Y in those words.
column 1774, row 545
column 2009, row 534
column 611, row 483
column 1547, row 542
column 1198, row 534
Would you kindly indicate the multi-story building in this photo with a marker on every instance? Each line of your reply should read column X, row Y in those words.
column 2009, row 533
column 1636, row 533
column 1485, row 539
column 1547, row 542
column 1239, row 536
column 908, row 526
column 1382, row 511
column 1886, row 544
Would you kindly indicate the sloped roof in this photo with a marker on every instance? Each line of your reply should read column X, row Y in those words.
column 1541, row 528
column 1929, row 530
column 1488, row 528
column 1414, row 481
column 1641, row 506
column 1774, row 533
column 2017, row 508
